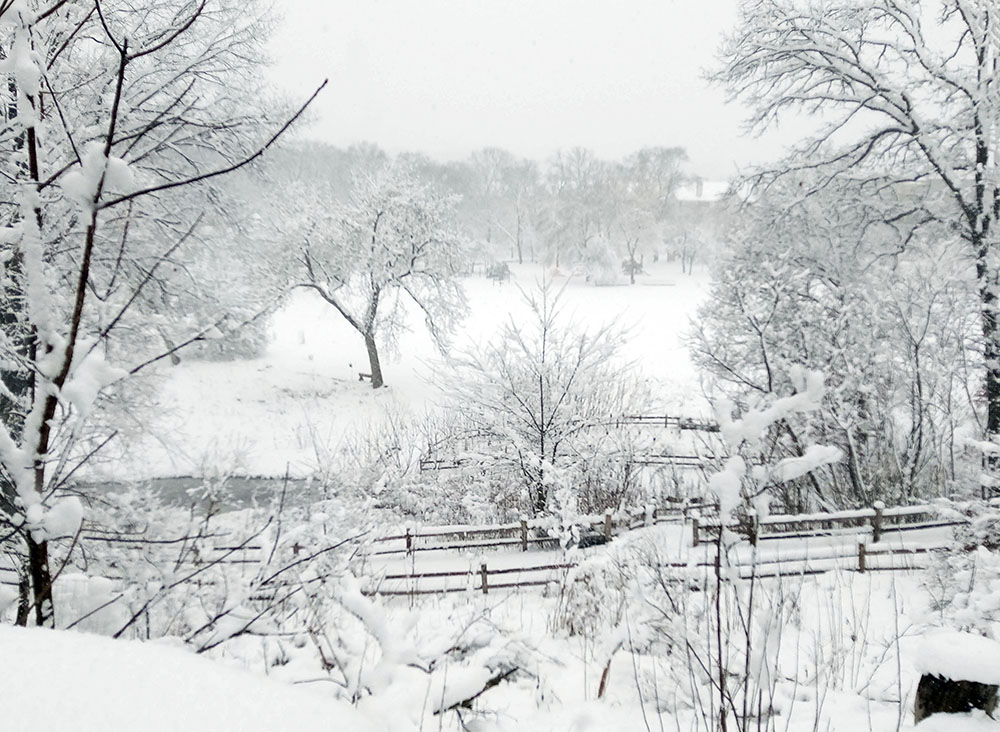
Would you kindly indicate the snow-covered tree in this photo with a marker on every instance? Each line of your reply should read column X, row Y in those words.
column 502, row 191
column 907, row 92
column 842, row 281
column 393, row 242
column 576, row 208
column 541, row 396
column 643, row 190
column 112, row 113
column 695, row 230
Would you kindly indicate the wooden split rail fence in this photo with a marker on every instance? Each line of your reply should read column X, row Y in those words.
column 657, row 458
column 471, row 580
column 526, row 533
column 869, row 525
column 762, row 566
column 202, row 556
column 695, row 424
column 681, row 423
column 874, row 521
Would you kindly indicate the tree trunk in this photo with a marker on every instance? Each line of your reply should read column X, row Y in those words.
column 538, row 499
column 520, row 253
column 991, row 347
column 23, row 599
column 41, row 582
column 992, row 357
column 373, row 362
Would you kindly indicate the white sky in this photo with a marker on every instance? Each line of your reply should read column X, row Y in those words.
column 446, row 77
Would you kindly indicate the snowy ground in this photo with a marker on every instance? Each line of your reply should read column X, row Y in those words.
column 58, row 680
column 850, row 649
column 293, row 406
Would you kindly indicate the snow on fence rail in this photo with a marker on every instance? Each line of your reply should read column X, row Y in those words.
column 470, row 580
column 455, row 460
column 595, row 529
column 682, row 423
column 483, row 579
column 527, row 533
column 865, row 558
column 875, row 521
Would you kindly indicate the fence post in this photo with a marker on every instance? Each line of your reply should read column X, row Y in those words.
column 754, row 528
column 409, row 541
column 607, row 525
column 862, row 554
column 694, row 529
column 482, row 573
column 877, row 522
column 524, row 534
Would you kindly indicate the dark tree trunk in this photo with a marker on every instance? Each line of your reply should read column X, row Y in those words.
column 23, row 599
column 41, row 582
column 991, row 353
column 538, row 498
column 984, row 213
column 373, row 362
column 991, row 348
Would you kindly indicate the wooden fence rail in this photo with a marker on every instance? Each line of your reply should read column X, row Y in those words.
column 876, row 520
column 531, row 532
column 870, row 524
column 479, row 580
column 453, row 459
column 682, row 423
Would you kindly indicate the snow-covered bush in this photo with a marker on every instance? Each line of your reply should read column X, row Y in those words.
column 964, row 581
column 380, row 464
column 233, row 340
column 730, row 630
column 600, row 263
column 533, row 408
column 748, row 480
column 592, row 596
column 208, row 578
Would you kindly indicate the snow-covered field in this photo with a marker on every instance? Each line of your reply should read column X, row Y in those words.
column 294, row 405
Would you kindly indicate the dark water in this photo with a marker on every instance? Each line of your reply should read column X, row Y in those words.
column 232, row 493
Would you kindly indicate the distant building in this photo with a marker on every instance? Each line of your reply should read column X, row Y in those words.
column 702, row 191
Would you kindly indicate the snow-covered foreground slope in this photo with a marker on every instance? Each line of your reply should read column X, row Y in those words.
column 298, row 402
column 61, row 680
column 844, row 650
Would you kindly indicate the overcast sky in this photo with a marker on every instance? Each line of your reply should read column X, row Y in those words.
column 445, row 77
